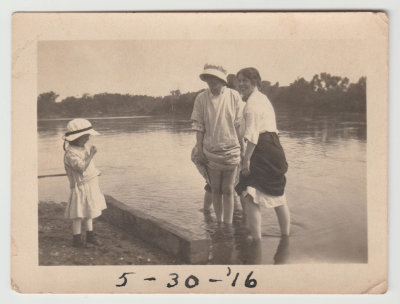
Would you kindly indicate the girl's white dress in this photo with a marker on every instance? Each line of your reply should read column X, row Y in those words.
column 86, row 200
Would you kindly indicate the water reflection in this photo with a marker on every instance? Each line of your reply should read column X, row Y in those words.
column 253, row 253
column 282, row 252
column 323, row 128
column 230, row 244
column 222, row 244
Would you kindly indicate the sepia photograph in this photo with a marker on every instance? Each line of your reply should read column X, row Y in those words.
column 240, row 150
column 122, row 118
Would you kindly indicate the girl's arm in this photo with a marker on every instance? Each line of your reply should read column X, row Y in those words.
column 247, row 156
column 78, row 163
column 93, row 151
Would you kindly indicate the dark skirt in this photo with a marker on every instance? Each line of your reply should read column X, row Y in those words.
column 267, row 167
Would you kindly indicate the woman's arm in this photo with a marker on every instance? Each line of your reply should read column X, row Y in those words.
column 238, row 120
column 251, row 135
column 199, row 143
column 241, row 141
column 198, row 125
column 247, row 156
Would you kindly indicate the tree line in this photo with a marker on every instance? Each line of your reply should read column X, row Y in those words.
column 323, row 93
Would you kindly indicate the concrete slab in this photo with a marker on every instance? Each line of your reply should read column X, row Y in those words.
column 193, row 248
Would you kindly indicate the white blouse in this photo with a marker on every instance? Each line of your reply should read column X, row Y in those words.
column 258, row 117
column 218, row 117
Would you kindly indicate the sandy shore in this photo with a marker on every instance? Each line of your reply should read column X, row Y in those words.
column 118, row 247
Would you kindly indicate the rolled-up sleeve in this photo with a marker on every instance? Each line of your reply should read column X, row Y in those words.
column 251, row 131
column 198, row 115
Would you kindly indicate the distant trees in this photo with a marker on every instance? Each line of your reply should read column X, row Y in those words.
column 325, row 82
column 323, row 93
column 107, row 104
column 46, row 103
column 173, row 99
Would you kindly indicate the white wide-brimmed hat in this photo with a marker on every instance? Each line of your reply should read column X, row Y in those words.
column 78, row 127
column 214, row 70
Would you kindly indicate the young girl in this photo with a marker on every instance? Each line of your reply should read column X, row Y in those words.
column 86, row 200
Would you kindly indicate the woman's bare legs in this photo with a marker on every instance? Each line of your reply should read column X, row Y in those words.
column 207, row 201
column 228, row 179
column 222, row 193
column 283, row 214
column 216, row 188
column 253, row 217
column 243, row 203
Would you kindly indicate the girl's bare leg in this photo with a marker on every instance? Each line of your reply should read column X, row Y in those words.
column 76, row 226
column 283, row 214
column 76, row 232
column 88, row 224
column 216, row 187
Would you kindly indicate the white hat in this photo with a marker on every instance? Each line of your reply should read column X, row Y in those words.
column 78, row 127
column 214, row 70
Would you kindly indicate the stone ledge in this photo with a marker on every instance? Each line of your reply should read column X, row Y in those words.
column 190, row 247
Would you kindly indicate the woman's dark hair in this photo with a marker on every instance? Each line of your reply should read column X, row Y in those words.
column 252, row 74
column 233, row 82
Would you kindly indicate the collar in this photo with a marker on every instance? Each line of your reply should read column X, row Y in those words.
column 254, row 93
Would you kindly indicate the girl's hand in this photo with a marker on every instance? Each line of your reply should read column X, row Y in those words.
column 93, row 150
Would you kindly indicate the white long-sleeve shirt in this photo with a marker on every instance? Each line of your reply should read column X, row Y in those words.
column 258, row 117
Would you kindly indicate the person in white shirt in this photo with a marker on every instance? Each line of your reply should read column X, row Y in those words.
column 262, row 179
column 216, row 117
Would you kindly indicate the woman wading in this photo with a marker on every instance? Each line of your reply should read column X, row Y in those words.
column 262, row 179
column 216, row 117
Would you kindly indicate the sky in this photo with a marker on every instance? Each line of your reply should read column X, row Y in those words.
column 155, row 67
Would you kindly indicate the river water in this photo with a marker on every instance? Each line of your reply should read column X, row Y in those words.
column 145, row 162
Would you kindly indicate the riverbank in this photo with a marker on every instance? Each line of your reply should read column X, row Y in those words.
column 118, row 247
